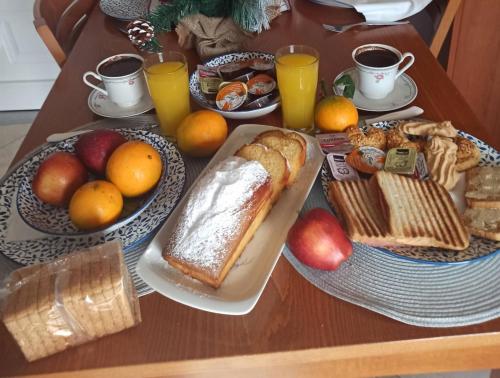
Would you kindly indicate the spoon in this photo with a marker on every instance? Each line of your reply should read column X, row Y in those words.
column 413, row 111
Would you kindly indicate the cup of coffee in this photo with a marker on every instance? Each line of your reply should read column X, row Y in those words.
column 123, row 79
column 378, row 68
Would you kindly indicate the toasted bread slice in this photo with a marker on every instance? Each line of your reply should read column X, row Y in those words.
column 483, row 187
column 483, row 222
column 420, row 213
column 291, row 149
column 273, row 161
column 355, row 203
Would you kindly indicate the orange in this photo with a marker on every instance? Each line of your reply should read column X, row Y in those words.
column 95, row 204
column 335, row 113
column 134, row 167
column 202, row 133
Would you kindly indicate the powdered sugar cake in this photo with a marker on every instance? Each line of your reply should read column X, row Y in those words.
column 220, row 216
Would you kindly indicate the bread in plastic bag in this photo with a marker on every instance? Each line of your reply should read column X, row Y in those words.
column 72, row 300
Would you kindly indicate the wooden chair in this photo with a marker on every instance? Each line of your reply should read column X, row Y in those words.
column 444, row 26
column 59, row 22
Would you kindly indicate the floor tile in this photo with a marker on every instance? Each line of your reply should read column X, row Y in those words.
column 11, row 137
column 17, row 117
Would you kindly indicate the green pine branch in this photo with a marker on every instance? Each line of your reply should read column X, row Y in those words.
column 250, row 15
column 166, row 16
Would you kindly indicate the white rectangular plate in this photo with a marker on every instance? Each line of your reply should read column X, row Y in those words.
column 245, row 282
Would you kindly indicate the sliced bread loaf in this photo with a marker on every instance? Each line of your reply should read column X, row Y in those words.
column 483, row 187
column 483, row 222
column 273, row 161
column 291, row 134
column 291, row 149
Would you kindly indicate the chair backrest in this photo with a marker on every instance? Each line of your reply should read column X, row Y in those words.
column 59, row 23
column 444, row 26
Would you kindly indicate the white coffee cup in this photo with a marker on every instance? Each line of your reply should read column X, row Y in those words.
column 378, row 68
column 124, row 89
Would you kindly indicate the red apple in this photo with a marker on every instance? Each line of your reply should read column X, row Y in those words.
column 318, row 240
column 58, row 177
column 95, row 148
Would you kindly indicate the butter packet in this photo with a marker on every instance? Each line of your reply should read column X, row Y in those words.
column 401, row 160
column 421, row 170
column 340, row 169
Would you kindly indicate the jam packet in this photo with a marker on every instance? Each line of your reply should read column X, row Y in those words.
column 231, row 95
column 209, row 82
column 335, row 143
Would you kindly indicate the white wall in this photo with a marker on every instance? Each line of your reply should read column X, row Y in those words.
column 27, row 69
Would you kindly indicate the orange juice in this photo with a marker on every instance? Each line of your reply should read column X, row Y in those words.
column 297, row 80
column 169, row 88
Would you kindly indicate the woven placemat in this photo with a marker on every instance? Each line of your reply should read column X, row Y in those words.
column 414, row 293
column 193, row 169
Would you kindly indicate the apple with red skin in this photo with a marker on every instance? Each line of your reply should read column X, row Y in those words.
column 95, row 148
column 318, row 240
column 58, row 177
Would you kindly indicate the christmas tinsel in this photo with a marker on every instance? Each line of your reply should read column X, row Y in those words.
column 250, row 15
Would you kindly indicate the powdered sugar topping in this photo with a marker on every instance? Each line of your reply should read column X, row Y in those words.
column 213, row 211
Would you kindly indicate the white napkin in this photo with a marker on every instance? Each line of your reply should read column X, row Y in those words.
column 387, row 10
column 18, row 230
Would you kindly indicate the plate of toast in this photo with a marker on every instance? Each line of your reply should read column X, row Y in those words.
column 446, row 212
column 219, row 247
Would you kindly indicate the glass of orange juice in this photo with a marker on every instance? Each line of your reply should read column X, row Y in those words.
column 168, row 84
column 297, row 72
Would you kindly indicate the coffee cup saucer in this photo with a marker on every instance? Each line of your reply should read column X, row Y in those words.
column 404, row 92
column 101, row 105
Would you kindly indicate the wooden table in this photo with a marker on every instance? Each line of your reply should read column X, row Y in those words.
column 294, row 328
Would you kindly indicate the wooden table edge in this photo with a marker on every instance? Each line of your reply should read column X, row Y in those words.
column 456, row 353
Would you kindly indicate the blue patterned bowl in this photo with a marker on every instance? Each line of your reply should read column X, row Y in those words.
column 478, row 247
column 55, row 220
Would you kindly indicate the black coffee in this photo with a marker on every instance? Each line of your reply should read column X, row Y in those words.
column 121, row 67
column 377, row 58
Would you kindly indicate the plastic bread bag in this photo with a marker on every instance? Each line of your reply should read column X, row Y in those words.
column 77, row 298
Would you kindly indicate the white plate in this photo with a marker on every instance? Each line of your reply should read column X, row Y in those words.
column 125, row 10
column 101, row 105
column 405, row 91
column 245, row 282
column 195, row 89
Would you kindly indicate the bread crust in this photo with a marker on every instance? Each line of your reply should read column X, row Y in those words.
column 290, row 148
column 484, row 234
column 278, row 185
column 475, row 195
